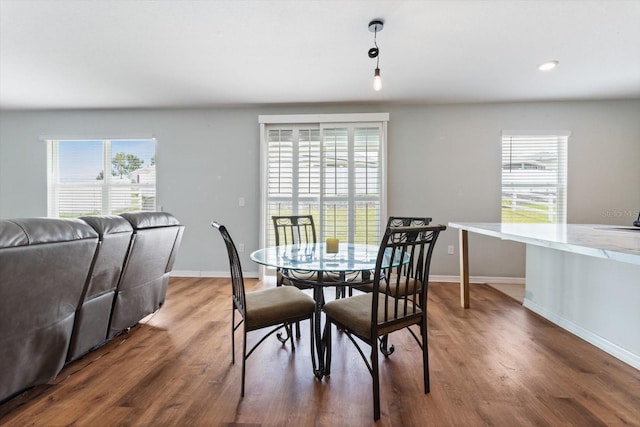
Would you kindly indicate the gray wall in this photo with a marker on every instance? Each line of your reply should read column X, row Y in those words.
column 444, row 161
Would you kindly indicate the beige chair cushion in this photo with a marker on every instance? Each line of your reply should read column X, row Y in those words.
column 274, row 305
column 354, row 313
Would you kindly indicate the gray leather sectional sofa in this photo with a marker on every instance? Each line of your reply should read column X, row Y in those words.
column 68, row 286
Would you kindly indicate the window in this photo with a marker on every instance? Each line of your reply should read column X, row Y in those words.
column 534, row 177
column 328, row 166
column 100, row 176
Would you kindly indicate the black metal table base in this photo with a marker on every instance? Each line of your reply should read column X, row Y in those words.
column 341, row 284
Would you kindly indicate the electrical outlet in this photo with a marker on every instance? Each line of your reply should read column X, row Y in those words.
column 450, row 249
column 241, row 247
column 241, row 201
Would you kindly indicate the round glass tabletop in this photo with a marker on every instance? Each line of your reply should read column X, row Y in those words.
column 314, row 257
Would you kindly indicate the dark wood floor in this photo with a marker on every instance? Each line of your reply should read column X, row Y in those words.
column 495, row 364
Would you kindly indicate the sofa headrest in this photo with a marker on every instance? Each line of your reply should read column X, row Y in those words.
column 48, row 230
column 12, row 235
column 108, row 224
column 141, row 220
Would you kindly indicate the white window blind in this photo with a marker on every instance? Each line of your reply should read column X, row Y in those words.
column 333, row 171
column 100, row 177
column 534, row 177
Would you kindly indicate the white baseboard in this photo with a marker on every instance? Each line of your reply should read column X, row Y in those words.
column 603, row 344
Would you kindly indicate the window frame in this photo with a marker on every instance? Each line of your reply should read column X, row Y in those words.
column 562, row 151
column 107, row 186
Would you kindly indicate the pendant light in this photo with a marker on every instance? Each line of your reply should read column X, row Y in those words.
column 374, row 52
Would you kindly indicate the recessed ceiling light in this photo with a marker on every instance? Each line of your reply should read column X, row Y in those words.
column 547, row 66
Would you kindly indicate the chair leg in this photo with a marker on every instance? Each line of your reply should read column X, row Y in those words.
column 326, row 337
column 244, row 359
column 384, row 346
column 375, row 373
column 289, row 328
column 233, row 335
column 297, row 330
column 425, row 357
column 311, row 336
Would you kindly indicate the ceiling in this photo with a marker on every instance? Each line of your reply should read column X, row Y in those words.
column 86, row 54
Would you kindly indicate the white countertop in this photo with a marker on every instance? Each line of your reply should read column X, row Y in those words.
column 618, row 243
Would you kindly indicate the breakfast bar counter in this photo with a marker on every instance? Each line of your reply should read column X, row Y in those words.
column 583, row 277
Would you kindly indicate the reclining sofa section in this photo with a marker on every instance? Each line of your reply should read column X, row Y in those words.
column 94, row 312
column 143, row 284
column 44, row 264
column 68, row 286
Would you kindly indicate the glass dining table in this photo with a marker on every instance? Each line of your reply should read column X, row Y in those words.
column 311, row 265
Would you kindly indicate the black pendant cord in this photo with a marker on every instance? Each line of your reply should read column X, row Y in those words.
column 375, row 43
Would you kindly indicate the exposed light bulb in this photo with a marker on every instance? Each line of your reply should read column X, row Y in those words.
column 377, row 81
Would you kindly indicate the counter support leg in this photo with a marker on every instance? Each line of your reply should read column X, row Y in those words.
column 464, row 268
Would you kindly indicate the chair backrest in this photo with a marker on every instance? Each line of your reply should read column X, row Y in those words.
column 407, row 221
column 237, row 280
column 399, row 289
column 293, row 229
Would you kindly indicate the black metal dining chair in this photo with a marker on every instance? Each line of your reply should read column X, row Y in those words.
column 392, row 305
column 299, row 229
column 291, row 230
column 395, row 221
column 404, row 221
column 274, row 307
column 398, row 221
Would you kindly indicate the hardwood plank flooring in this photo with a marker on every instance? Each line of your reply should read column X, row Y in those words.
column 496, row 364
column 515, row 291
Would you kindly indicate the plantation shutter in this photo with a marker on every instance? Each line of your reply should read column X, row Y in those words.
column 336, row 171
column 333, row 171
column 293, row 173
column 368, row 184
